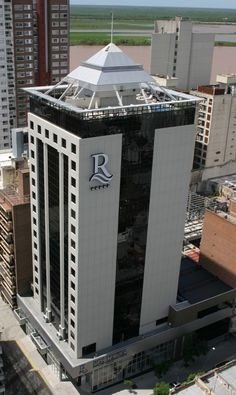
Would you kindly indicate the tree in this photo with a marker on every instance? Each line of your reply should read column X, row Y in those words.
column 193, row 346
column 192, row 376
column 161, row 389
column 161, row 368
column 129, row 384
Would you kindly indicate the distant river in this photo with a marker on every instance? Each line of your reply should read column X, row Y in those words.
column 224, row 58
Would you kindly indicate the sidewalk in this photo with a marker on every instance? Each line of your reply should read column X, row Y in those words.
column 220, row 350
column 14, row 337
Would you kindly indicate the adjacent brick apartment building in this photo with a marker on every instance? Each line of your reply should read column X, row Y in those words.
column 15, row 239
column 218, row 245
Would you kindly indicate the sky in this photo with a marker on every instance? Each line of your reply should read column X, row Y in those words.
column 165, row 3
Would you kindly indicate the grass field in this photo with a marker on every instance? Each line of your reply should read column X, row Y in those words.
column 146, row 14
column 94, row 19
column 225, row 44
column 105, row 38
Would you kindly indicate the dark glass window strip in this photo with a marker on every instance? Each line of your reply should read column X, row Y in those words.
column 41, row 224
column 66, row 239
column 54, row 233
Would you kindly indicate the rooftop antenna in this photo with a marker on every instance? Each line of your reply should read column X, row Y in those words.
column 112, row 27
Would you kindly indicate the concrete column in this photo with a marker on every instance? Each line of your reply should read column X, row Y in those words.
column 61, row 331
column 48, row 313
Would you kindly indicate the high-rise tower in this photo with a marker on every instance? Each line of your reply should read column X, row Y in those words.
column 110, row 154
column 34, row 51
column 7, row 75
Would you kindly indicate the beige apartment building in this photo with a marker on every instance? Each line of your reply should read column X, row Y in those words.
column 215, row 149
column 178, row 51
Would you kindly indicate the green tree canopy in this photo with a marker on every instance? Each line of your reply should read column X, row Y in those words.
column 161, row 389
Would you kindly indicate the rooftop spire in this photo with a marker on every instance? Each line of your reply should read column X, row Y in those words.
column 112, row 27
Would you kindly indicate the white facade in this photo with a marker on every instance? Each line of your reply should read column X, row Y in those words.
column 97, row 243
column 177, row 51
column 7, row 78
column 170, row 177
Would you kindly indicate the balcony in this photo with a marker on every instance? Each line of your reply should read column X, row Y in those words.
column 42, row 347
column 9, row 286
column 9, row 271
column 5, row 213
column 8, row 248
column 8, row 259
column 6, row 273
column 20, row 316
column 10, row 298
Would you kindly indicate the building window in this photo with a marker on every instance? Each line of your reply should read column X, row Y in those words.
column 72, row 334
column 32, row 125
column 36, row 269
column 63, row 143
column 72, row 272
column 39, row 129
column 73, row 148
column 32, row 139
column 90, row 348
column 34, row 221
column 33, row 181
column 32, row 154
column 73, row 198
column 32, row 168
column 72, row 346
column 72, row 243
column 72, row 298
column 72, row 257
column 72, row 311
column 34, row 208
column 73, row 182
column 47, row 133
column 73, row 213
column 73, row 229
column 73, row 165
column 35, row 258
column 72, row 323
column 72, row 284
column 35, row 233
column 54, row 138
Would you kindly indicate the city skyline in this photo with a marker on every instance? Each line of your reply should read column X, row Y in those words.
column 228, row 4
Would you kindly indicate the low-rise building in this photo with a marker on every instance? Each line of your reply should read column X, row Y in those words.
column 220, row 381
column 218, row 244
column 15, row 237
